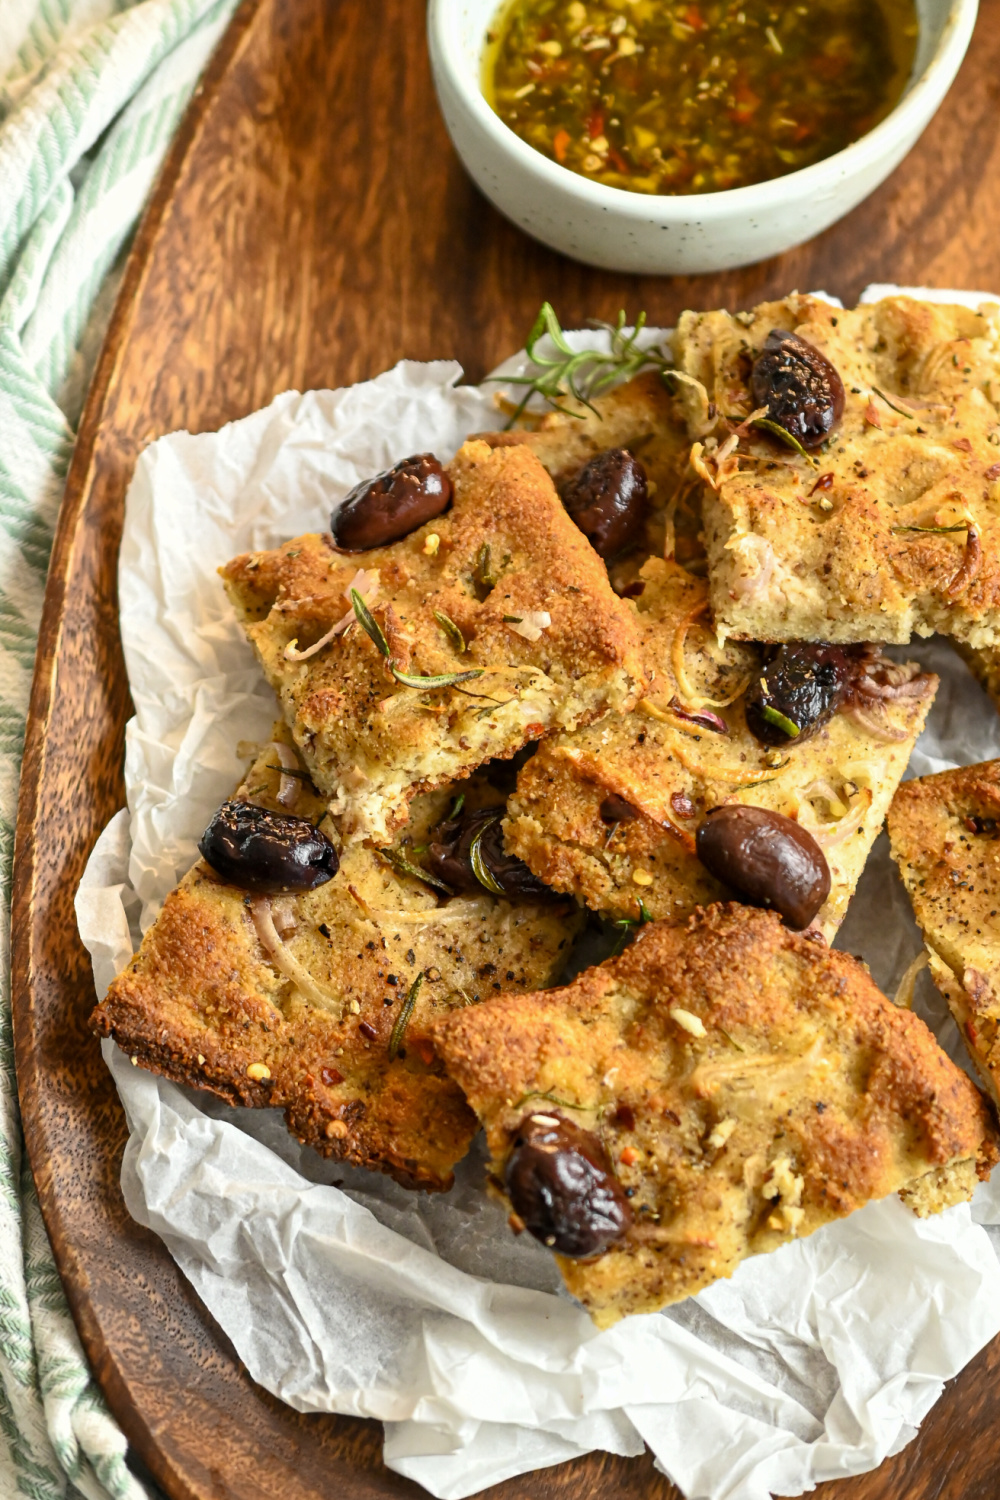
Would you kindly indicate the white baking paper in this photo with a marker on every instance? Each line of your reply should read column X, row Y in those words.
column 342, row 1292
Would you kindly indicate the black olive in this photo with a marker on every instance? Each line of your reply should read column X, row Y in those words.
column 560, row 1183
column 381, row 510
column 799, row 387
column 804, row 684
column 767, row 858
column 607, row 500
column 450, row 856
column 265, row 851
column 615, row 809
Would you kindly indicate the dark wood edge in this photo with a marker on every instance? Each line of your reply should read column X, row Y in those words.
column 44, row 686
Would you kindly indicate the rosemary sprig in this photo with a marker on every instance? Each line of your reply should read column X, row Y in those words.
column 418, row 680
column 480, row 868
column 402, row 866
column 554, row 1099
column 580, row 374
column 781, row 721
column 451, row 630
column 935, row 530
column 483, row 572
column 403, row 1019
column 764, row 424
column 626, row 924
column 903, row 410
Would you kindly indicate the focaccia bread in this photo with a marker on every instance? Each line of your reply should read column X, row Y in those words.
column 945, row 837
column 291, row 1001
column 642, row 416
column 855, row 545
column 609, row 813
column 720, row 1089
column 984, row 664
column 503, row 583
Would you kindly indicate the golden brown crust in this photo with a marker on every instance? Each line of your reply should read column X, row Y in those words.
column 370, row 743
column 984, row 664
column 640, row 415
column 945, row 837
column 205, row 1003
column 750, row 1084
column 789, row 561
column 671, row 772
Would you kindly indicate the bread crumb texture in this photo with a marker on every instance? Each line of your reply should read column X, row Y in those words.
column 670, row 770
column 290, row 1002
column 944, row 832
column 808, row 1095
column 506, row 549
column 839, row 550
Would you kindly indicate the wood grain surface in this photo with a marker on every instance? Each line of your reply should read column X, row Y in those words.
column 312, row 226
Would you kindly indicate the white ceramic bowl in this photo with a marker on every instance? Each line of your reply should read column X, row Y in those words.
column 623, row 231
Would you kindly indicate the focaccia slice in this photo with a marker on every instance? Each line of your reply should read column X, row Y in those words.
column 642, row 416
column 856, row 545
column 291, row 1001
column 742, row 1085
column 945, row 837
column 662, row 769
column 504, row 582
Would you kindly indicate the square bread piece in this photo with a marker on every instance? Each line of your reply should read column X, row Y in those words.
column 642, row 416
column 834, row 551
column 670, row 770
column 984, row 665
column 503, row 582
column 945, row 837
column 745, row 1084
column 290, row 1001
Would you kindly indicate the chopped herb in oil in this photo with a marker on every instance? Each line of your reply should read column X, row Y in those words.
column 697, row 96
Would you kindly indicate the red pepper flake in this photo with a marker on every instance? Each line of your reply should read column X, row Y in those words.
column 963, row 443
column 625, row 1117
column 560, row 144
column 747, row 103
column 629, row 1156
column 331, row 1076
column 424, row 1048
column 694, row 18
column 617, row 160
column 682, row 804
column 368, row 1030
column 535, row 731
column 824, row 482
column 971, row 1032
column 595, row 125
column 993, row 472
column 872, row 416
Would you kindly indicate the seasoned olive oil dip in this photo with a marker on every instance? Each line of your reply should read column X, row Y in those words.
column 696, row 97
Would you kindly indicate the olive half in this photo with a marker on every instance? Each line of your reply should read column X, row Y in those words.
column 450, row 856
column 265, row 851
column 607, row 499
column 767, row 858
column 800, row 687
column 384, row 509
column 798, row 387
column 559, row 1182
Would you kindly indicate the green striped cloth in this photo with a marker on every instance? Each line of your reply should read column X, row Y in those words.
column 90, row 92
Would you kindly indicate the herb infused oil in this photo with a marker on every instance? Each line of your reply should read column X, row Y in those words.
column 696, row 97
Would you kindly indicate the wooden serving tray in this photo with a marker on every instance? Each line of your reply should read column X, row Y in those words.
column 312, row 226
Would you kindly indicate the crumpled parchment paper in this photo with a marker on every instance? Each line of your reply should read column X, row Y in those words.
column 341, row 1291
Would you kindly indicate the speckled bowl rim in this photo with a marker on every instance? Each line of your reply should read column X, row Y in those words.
column 913, row 112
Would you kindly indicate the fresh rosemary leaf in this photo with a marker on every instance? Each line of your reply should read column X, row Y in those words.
column 903, row 410
column 451, row 630
column 482, row 571
column 403, row 1019
column 554, row 1099
column 625, row 925
column 369, row 624
column 644, row 914
column 479, row 866
column 776, row 430
column 459, row 804
column 291, row 771
column 581, row 374
column 442, row 680
column 935, row 530
column 781, row 721
column 402, row 866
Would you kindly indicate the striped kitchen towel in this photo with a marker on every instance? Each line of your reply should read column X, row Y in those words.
column 90, row 94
